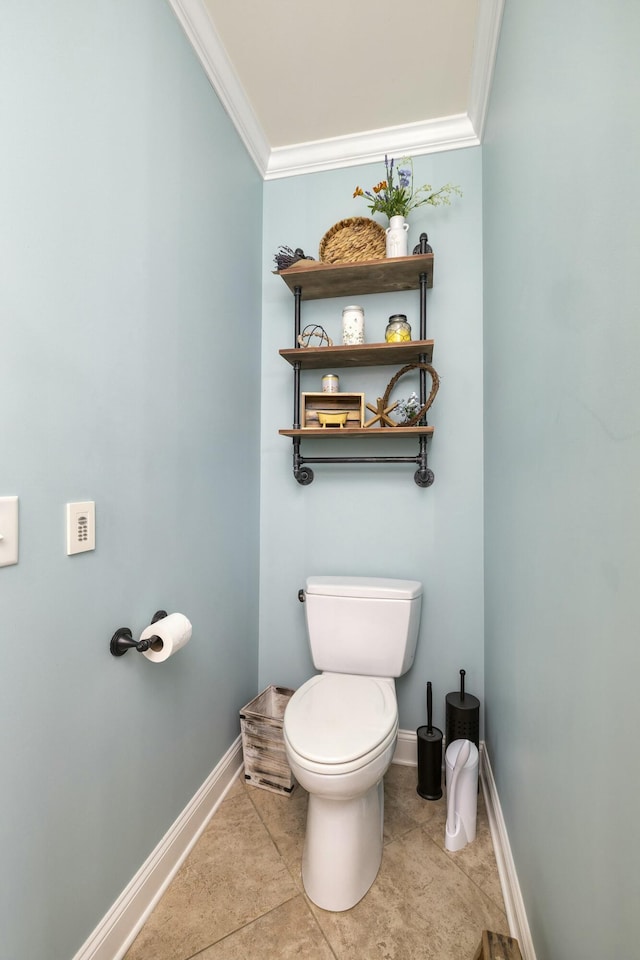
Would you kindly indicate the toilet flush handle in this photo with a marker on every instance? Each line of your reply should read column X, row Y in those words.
column 301, row 595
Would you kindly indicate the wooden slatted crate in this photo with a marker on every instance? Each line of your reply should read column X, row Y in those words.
column 350, row 403
column 497, row 946
column 265, row 759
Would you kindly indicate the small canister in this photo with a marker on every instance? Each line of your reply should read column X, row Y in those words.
column 330, row 383
column 352, row 325
column 462, row 715
column 398, row 330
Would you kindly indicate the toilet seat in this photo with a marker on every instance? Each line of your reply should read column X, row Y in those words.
column 340, row 721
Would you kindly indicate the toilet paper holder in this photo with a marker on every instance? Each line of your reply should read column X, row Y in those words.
column 122, row 640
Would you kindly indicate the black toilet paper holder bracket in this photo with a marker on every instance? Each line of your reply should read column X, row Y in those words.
column 122, row 640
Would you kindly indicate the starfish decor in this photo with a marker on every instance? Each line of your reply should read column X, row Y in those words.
column 381, row 414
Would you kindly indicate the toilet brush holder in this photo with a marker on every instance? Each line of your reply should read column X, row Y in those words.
column 462, row 715
column 429, row 741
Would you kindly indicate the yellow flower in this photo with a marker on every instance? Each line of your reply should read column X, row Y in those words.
column 358, row 192
column 381, row 186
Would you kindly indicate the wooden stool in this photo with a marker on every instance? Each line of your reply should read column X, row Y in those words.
column 495, row 946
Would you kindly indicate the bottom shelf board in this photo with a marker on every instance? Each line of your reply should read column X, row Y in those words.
column 340, row 432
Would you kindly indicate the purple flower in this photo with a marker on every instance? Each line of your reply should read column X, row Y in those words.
column 399, row 198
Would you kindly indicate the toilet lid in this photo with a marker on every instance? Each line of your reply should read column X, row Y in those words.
column 335, row 718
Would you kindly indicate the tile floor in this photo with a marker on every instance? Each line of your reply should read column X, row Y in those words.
column 239, row 896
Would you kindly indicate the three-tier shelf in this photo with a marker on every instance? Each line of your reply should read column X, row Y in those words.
column 318, row 281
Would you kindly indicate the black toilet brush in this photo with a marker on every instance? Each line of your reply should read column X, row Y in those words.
column 429, row 756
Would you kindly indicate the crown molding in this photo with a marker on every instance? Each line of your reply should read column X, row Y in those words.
column 194, row 19
column 415, row 139
column 484, row 58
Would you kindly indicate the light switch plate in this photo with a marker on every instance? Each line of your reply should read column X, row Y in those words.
column 8, row 531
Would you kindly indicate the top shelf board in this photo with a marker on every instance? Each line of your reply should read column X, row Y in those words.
column 319, row 281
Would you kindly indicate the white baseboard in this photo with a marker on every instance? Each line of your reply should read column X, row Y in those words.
column 119, row 927
column 514, row 904
column 406, row 754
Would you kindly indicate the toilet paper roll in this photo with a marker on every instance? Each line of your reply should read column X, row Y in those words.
column 171, row 634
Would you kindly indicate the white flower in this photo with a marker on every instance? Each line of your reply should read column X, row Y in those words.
column 407, row 409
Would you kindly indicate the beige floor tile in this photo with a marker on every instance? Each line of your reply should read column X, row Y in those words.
column 285, row 818
column 477, row 859
column 238, row 894
column 404, row 808
column 236, row 788
column 287, row 933
column 421, row 905
column 232, row 876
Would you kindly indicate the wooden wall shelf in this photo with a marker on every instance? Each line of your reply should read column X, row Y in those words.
column 366, row 355
column 310, row 280
column 387, row 433
column 319, row 281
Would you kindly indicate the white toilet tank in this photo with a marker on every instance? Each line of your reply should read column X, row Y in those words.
column 363, row 625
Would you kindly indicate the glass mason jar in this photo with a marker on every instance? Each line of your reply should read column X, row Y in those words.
column 352, row 325
column 398, row 330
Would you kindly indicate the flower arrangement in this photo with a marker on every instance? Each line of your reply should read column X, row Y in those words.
column 397, row 199
column 407, row 409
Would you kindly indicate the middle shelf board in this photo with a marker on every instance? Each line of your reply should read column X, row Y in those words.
column 365, row 355
column 337, row 432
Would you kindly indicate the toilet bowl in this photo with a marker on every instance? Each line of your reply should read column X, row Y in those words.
column 340, row 727
column 340, row 733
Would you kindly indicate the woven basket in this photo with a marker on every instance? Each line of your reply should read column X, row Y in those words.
column 353, row 240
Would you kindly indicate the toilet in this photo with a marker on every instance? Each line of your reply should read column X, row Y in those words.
column 340, row 727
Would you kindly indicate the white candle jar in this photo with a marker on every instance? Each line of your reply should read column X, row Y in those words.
column 352, row 325
column 330, row 383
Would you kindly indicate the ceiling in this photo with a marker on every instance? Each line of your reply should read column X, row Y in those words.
column 317, row 86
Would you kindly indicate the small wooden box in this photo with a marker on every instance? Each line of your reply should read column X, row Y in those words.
column 497, row 946
column 265, row 759
column 351, row 403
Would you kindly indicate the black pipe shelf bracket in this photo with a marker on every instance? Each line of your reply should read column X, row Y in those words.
column 122, row 640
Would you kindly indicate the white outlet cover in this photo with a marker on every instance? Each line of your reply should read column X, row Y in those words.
column 81, row 527
column 8, row 531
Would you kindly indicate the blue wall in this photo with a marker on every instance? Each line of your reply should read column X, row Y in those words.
column 562, row 456
column 130, row 244
column 374, row 520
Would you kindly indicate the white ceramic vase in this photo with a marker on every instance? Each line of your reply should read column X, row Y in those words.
column 397, row 237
